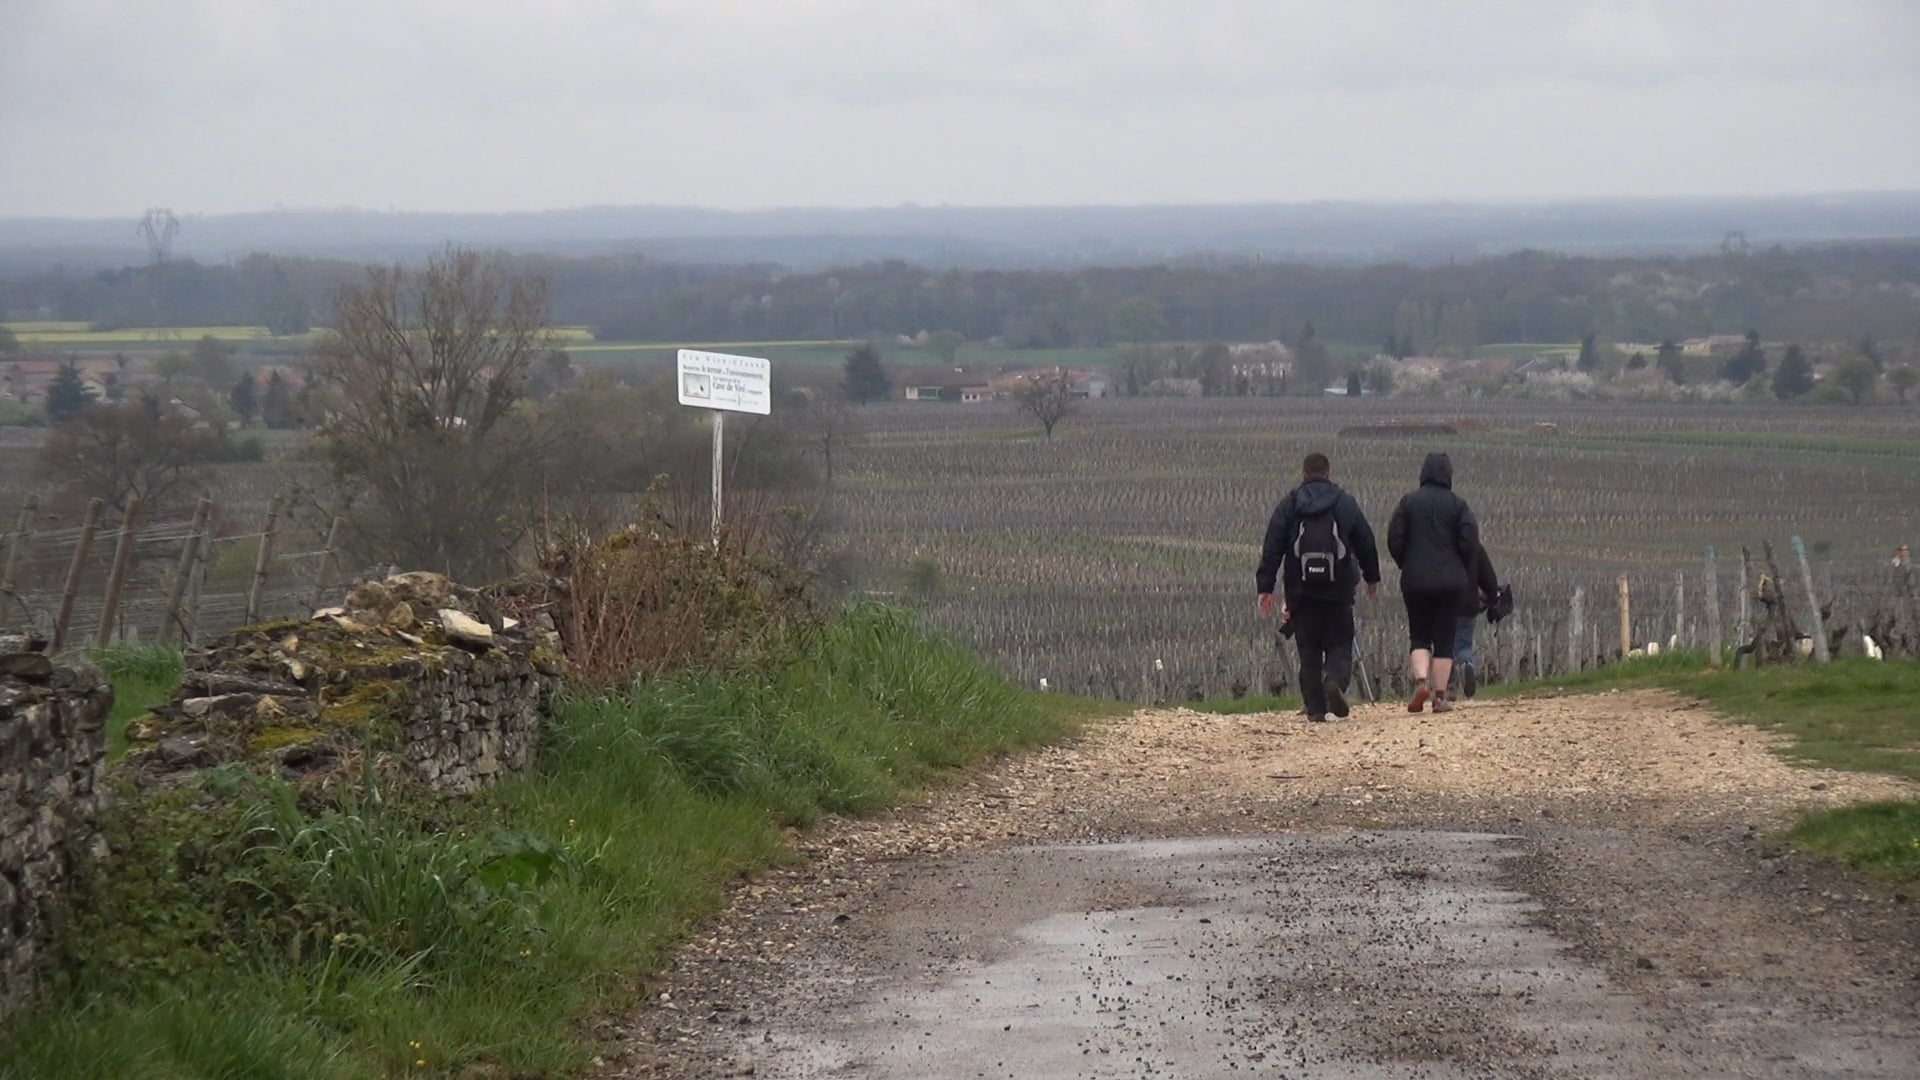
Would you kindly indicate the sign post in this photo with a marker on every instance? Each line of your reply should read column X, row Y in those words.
column 723, row 383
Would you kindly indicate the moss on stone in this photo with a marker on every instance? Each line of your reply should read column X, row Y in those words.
column 365, row 703
column 276, row 738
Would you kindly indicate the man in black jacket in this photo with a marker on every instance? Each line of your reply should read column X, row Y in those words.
column 1319, row 547
column 1432, row 538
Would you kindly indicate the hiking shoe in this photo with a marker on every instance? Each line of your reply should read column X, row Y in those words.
column 1469, row 680
column 1420, row 695
column 1317, row 718
column 1337, row 701
column 1442, row 703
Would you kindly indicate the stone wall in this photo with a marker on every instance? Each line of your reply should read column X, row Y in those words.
column 53, row 750
column 451, row 700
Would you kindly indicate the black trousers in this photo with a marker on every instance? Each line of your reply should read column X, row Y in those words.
column 1323, row 630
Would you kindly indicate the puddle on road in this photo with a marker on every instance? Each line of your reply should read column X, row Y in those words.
column 1393, row 955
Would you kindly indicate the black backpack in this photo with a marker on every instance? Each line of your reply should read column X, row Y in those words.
column 1319, row 549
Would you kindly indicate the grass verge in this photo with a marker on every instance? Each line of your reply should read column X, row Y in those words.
column 237, row 932
column 1878, row 838
column 1856, row 715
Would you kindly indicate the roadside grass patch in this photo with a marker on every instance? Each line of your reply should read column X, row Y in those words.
column 238, row 931
column 1879, row 838
column 1855, row 715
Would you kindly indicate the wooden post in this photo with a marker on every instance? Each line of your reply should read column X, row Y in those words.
column 1913, row 609
column 1820, row 650
column 1714, row 644
column 326, row 565
column 17, row 546
column 75, row 571
column 202, row 557
column 1743, row 617
column 1577, row 622
column 261, row 561
column 1626, row 618
column 1679, row 639
column 117, row 578
column 174, row 623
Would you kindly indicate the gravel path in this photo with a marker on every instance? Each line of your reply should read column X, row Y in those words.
column 1575, row 887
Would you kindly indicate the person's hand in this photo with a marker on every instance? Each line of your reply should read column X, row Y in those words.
column 1373, row 589
column 1266, row 604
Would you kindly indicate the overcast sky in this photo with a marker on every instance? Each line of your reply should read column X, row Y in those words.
column 109, row 106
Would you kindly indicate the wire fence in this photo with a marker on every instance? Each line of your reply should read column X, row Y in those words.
column 119, row 577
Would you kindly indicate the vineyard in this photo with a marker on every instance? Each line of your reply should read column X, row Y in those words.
column 1118, row 559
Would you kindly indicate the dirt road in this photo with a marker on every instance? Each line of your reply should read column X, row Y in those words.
column 1582, row 887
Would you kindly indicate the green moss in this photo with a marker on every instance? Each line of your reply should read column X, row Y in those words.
column 365, row 704
column 277, row 738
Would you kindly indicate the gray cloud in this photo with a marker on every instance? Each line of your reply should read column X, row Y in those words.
column 216, row 105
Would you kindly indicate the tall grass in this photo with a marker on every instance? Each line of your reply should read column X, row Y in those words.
column 143, row 676
column 238, row 934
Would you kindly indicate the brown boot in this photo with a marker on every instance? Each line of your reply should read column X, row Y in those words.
column 1420, row 695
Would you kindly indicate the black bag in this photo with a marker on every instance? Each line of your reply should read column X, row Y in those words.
column 1318, row 549
column 1502, row 605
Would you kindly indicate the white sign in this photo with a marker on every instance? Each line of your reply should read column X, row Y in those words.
column 711, row 380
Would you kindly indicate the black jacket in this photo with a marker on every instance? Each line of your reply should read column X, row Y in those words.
column 1433, row 536
column 1313, row 497
column 1479, row 595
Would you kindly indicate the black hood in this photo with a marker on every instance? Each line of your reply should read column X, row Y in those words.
column 1437, row 471
column 1315, row 496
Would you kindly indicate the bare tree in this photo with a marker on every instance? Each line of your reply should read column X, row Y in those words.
column 1047, row 396
column 826, row 427
column 437, row 463
column 116, row 452
column 1902, row 379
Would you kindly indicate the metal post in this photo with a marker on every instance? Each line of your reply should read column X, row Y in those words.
column 1714, row 644
column 262, row 560
column 174, row 623
column 16, row 551
column 75, row 571
column 117, row 578
column 719, row 472
column 1820, row 650
column 1626, row 619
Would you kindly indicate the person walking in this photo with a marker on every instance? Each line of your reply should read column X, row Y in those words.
column 1432, row 539
column 1318, row 549
column 1481, row 594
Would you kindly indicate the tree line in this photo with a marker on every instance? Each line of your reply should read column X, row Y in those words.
column 1836, row 292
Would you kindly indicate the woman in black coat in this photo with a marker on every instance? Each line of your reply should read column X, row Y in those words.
column 1433, row 540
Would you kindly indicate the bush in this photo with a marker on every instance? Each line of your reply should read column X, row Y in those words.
column 643, row 602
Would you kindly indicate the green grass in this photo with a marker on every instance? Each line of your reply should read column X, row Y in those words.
column 1879, row 838
column 238, row 935
column 1855, row 715
column 143, row 676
